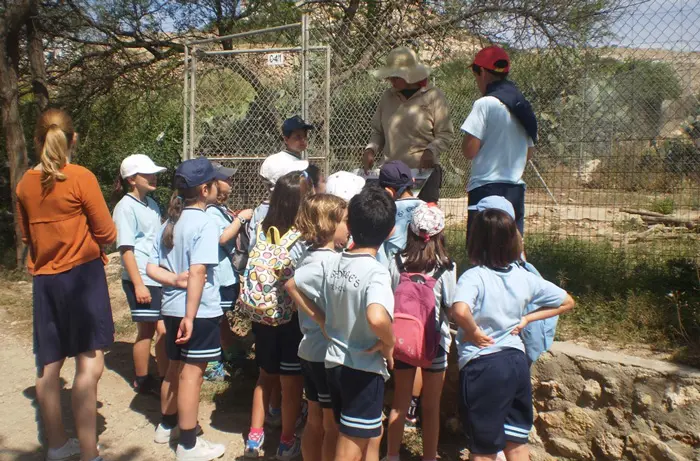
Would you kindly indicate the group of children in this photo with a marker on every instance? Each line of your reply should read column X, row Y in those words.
column 344, row 281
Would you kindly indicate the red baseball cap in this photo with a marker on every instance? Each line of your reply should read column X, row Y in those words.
column 488, row 57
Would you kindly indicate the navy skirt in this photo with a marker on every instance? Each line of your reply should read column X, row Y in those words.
column 72, row 313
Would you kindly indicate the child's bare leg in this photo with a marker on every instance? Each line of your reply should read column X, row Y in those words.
column 227, row 337
column 261, row 394
column 418, row 383
column 372, row 450
column 350, row 448
column 483, row 457
column 142, row 347
column 161, row 356
column 430, row 407
column 403, row 388
column 48, row 393
column 190, row 385
column 89, row 367
column 330, row 435
column 292, row 391
column 517, row 451
column 169, row 388
column 275, row 394
column 311, row 441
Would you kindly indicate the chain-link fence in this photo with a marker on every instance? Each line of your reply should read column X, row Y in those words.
column 615, row 86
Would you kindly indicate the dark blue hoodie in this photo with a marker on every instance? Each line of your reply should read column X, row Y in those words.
column 509, row 94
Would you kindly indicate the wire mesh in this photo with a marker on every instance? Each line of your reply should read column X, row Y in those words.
column 616, row 89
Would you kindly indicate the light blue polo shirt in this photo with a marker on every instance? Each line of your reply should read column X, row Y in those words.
column 498, row 300
column 397, row 242
column 227, row 275
column 345, row 284
column 259, row 214
column 196, row 241
column 313, row 345
column 137, row 224
column 504, row 143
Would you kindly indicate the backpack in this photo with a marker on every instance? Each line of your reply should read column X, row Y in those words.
column 239, row 259
column 537, row 336
column 269, row 266
column 416, row 327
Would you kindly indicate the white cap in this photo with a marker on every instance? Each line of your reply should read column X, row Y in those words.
column 139, row 163
column 344, row 185
column 277, row 165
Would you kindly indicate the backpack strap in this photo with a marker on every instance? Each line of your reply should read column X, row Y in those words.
column 399, row 263
column 273, row 235
column 290, row 238
column 226, row 216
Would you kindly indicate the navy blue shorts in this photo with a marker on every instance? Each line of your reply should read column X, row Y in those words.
column 143, row 312
column 358, row 399
column 514, row 193
column 316, row 383
column 229, row 295
column 496, row 401
column 72, row 313
column 203, row 346
column 276, row 348
column 438, row 366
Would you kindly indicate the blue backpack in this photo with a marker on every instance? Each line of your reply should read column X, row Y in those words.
column 537, row 336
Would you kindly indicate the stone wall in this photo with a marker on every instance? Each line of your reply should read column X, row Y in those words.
column 607, row 406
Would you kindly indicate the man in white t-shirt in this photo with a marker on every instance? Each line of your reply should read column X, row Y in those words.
column 500, row 134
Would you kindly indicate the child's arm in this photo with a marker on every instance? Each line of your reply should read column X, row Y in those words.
column 167, row 278
column 545, row 313
column 306, row 305
column 232, row 230
column 380, row 323
column 143, row 295
column 462, row 315
column 195, row 286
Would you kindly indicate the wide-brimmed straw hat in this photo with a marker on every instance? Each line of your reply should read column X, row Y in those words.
column 403, row 62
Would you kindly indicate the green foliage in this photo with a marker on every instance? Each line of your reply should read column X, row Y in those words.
column 664, row 205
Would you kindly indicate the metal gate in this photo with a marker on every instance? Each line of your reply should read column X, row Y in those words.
column 239, row 89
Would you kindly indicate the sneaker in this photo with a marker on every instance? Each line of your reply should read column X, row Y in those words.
column 70, row 450
column 411, row 421
column 215, row 372
column 253, row 445
column 165, row 435
column 202, row 451
column 274, row 418
column 303, row 414
column 501, row 456
column 288, row 452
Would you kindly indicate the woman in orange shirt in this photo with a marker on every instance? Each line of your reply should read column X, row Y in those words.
column 65, row 221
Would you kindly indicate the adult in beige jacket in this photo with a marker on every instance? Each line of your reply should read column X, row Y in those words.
column 412, row 122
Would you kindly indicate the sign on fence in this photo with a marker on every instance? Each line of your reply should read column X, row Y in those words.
column 275, row 59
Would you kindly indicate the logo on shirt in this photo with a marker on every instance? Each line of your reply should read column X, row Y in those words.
column 340, row 279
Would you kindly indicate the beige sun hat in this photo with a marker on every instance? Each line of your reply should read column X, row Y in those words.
column 403, row 62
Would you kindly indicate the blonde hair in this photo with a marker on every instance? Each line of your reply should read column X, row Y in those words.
column 319, row 217
column 53, row 140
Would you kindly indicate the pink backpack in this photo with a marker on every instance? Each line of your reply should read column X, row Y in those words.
column 416, row 327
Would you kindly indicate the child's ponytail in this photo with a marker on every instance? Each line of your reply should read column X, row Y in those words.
column 119, row 190
column 175, row 207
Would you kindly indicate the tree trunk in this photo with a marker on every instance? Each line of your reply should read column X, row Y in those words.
column 35, row 51
column 10, row 24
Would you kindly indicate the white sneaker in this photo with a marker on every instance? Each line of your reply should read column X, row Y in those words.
column 202, row 451
column 165, row 435
column 70, row 450
column 501, row 456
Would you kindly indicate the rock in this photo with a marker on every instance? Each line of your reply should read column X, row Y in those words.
column 591, row 392
column 642, row 402
column 616, row 418
column 570, row 449
column 680, row 398
column 644, row 447
column 578, row 421
column 608, row 446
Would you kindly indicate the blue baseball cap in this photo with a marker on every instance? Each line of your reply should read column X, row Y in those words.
column 494, row 202
column 197, row 171
column 295, row 123
column 395, row 174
